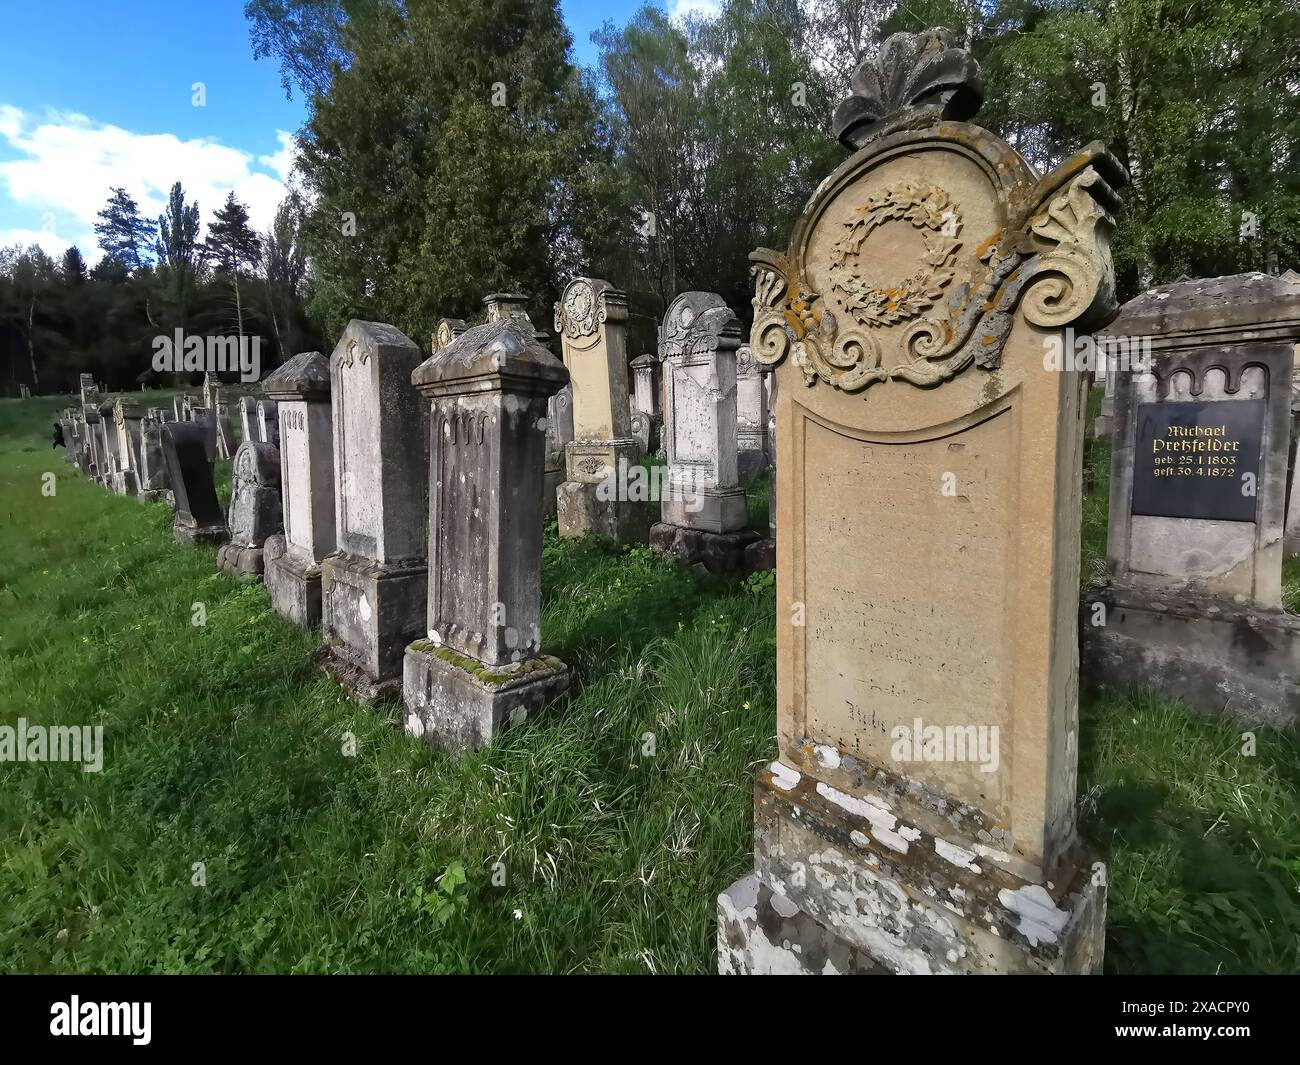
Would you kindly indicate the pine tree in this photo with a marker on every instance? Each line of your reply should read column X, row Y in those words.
column 231, row 246
column 123, row 234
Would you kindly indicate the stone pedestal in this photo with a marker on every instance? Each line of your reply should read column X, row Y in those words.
column 704, row 512
column 301, row 388
column 921, row 814
column 591, row 319
column 828, row 898
column 374, row 585
column 154, row 486
column 1193, row 599
column 480, row 666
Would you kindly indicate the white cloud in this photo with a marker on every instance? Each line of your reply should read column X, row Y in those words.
column 68, row 163
column 681, row 10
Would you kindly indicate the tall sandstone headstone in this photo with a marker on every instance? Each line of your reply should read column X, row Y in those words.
column 1192, row 603
column 920, row 817
column 480, row 666
column 703, row 508
column 591, row 319
column 751, row 416
column 375, row 582
column 301, row 388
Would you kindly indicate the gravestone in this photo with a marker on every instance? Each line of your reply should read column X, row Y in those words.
column 301, row 388
column 751, row 416
column 448, row 330
column 704, row 509
column 207, row 420
column 375, row 582
column 559, row 431
column 93, row 443
column 180, row 407
column 761, row 554
column 225, row 431
column 126, row 422
column 591, row 319
column 153, row 484
column 89, row 391
column 24, row 392
column 645, row 393
column 1291, row 535
column 68, row 429
column 1103, row 425
column 920, row 817
column 248, row 418
column 211, row 391
column 268, row 422
column 114, row 455
column 198, row 517
column 480, row 666
column 255, row 511
column 1192, row 603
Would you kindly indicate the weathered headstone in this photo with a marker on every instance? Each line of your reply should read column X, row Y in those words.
column 591, row 319
column 374, row 585
column 480, row 665
column 703, row 506
column 198, row 518
column 1291, row 535
column 921, row 815
column 761, row 554
column 255, row 510
column 559, row 431
column 225, row 431
column 301, row 388
column 268, row 422
column 126, row 420
column 1103, row 425
column 751, row 416
column 24, row 392
column 89, row 391
column 645, row 393
column 211, row 391
column 448, row 330
column 153, row 483
column 248, row 418
column 1193, row 601
column 207, row 420
column 93, row 442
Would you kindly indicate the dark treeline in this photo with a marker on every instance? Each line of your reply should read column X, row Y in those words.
column 453, row 149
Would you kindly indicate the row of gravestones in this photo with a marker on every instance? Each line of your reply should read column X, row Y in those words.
column 920, row 816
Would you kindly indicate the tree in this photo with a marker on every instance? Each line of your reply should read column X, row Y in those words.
column 73, row 267
column 122, row 233
column 284, row 271
column 178, row 250
column 457, row 151
column 231, row 246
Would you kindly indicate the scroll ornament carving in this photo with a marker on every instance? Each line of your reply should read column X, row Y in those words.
column 1057, row 270
column 580, row 312
column 353, row 354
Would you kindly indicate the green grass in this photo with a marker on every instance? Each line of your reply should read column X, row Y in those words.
column 223, row 747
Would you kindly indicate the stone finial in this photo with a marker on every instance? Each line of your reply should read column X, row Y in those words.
column 305, row 376
column 915, row 79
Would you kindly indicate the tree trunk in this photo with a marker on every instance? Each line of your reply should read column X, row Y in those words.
column 31, row 352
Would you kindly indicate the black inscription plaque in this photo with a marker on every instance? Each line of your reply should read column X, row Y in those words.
column 1198, row 460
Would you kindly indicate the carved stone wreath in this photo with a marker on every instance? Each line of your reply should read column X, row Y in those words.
column 930, row 210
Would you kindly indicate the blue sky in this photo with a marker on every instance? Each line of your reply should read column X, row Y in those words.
column 95, row 94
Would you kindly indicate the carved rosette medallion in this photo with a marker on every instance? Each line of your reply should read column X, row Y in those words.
column 580, row 312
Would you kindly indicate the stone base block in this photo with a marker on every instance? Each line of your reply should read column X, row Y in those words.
column 760, row 555
column 189, row 533
column 458, row 704
column 762, row 933
column 152, row 495
column 371, row 611
column 241, row 559
column 719, row 552
column 582, row 512
column 717, row 510
column 293, row 584
column 1216, row 657
column 122, row 482
column 880, row 878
